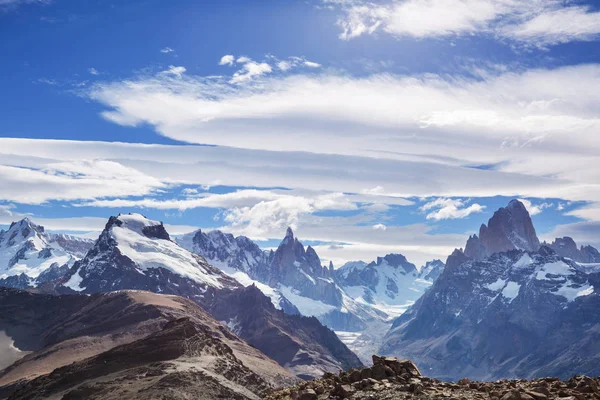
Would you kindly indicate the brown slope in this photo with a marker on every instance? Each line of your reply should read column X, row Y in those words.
column 124, row 332
column 301, row 344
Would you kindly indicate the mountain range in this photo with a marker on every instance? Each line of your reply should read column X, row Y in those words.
column 505, row 306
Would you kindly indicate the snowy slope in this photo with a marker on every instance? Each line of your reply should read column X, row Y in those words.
column 30, row 256
column 391, row 284
column 134, row 252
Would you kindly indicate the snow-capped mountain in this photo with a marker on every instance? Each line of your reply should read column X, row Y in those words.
column 30, row 256
column 390, row 283
column 134, row 252
column 358, row 300
column 523, row 312
column 292, row 275
column 432, row 270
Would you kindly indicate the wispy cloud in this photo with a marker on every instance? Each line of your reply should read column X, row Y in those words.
column 167, row 50
column 536, row 22
column 251, row 69
column 12, row 4
column 441, row 208
column 535, row 209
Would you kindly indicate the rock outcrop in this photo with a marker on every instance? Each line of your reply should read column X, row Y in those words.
column 393, row 379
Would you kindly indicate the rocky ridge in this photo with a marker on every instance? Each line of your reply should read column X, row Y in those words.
column 127, row 344
column 393, row 379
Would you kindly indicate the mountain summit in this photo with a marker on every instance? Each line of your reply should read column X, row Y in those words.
column 510, row 228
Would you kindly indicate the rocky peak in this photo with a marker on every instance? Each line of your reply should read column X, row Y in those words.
column 432, row 270
column 20, row 231
column 455, row 259
column 289, row 236
column 397, row 261
column 566, row 247
column 510, row 228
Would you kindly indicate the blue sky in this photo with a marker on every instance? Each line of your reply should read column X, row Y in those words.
column 370, row 127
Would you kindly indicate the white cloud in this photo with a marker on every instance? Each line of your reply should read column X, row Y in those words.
column 93, row 71
column 167, row 50
column 175, row 71
column 227, row 60
column 379, row 227
column 311, row 64
column 535, row 209
column 72, row 180
column 537, row 22
column 250, row 70
column 555, row 26
column 284, row 65
column 450, row 209
column 537, row 123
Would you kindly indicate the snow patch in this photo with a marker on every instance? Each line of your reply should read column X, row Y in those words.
column 74, row 282
column 511, row 290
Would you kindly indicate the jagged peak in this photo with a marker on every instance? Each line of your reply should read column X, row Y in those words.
column 289, row 236
column 515, row 203
column 26, row 223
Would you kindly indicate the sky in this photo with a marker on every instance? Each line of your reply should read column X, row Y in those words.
column 369, row 127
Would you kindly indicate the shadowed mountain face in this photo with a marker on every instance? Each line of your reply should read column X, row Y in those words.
column 524, row 311
column 510, row 228
column 299, row 343
column 132, row 342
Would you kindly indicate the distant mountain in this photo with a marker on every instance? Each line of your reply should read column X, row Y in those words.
column 432, row 270
column 292, row 275
column 30, row 256
column 140, row 345
column 136, row 253
column 357, row 300
column 566, row 247
column 390, row 281
column 521, row 311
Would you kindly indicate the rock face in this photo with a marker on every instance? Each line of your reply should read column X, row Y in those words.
column 518, row 313
column 510, row 228
column 432, row 270
column 301, row 344
column 392, row 379
column 566, row 247
column 30, row 256
column 141, row 345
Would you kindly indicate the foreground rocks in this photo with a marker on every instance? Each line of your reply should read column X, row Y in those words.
column 390, row 379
